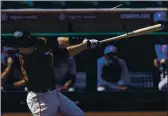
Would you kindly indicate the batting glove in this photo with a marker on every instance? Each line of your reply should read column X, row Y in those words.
column 92, row 43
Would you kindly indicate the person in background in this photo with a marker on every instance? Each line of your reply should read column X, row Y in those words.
column 11, row 77
column 112, row 71
column 162, row 63
column 64, row 69
column 161, row 50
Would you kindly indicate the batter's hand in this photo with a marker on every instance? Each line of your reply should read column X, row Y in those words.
column 92, row 43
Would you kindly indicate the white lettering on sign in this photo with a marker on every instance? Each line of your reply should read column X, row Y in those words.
column 81, row 17
column 22, row 17
column 135, row 16
column 75, row 17
column 72, row 17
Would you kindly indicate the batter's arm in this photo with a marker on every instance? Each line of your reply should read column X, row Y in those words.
column 76, row 49
column 71, row 50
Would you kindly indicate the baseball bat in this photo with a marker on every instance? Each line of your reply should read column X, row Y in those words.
column 138, row 32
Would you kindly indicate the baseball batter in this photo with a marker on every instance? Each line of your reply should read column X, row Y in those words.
column 43, row 99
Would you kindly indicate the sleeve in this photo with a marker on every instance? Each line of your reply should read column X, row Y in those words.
column 100, row 64
column 125, row 79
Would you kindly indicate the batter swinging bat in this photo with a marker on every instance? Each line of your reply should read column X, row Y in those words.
column 135, row 33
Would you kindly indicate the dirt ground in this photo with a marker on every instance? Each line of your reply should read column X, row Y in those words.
column 104, row 114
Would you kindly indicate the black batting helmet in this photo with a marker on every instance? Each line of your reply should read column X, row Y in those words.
column 23, row 39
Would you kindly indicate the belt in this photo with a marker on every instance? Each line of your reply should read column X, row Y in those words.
column 43, row 91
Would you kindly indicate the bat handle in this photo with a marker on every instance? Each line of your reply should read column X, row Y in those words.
column 99, row 44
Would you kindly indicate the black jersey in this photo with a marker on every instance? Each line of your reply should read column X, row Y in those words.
column 38, row 66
